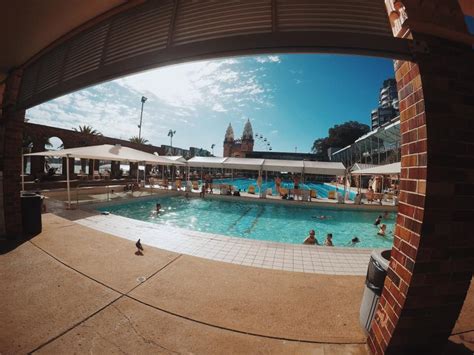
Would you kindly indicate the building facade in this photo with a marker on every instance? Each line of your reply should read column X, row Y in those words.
column 238, row 147
column 388, row 104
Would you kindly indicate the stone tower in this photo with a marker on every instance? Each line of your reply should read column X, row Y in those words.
column 247, row 138
column 228, row 141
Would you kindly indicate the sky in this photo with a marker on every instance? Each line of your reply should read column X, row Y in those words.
column 290, row 99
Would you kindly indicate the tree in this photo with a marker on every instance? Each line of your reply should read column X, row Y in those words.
column 87, row 130
column 339, row 136
column 137, row 140
column 171, row 133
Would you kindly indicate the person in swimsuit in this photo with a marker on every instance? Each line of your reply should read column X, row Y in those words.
column 328, row 241
column 311, row 239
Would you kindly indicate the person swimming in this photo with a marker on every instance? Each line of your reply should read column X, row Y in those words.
column 378, row 220
column 311, row 239
column 382, row 230
column 353, row 242
column 328, row 241
column 322, row 217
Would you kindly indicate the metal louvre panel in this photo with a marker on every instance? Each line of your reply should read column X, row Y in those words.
column 50, row 69
column 28, row 82
column 85, row 52
column 363, row 16
column 144, row 31
column 199, row 20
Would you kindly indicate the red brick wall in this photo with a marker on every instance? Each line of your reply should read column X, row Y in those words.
column 11, row 128
column 40, row 133
column 432, row 257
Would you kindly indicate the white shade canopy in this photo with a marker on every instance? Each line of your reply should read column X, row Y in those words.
column 206, row 162
column 389, row 169
column 292, row 166
column 323, row 168
column 109, row 152
column 179, row 158
column 243, row 163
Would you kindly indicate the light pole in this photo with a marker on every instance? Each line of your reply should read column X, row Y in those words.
column 141, row 117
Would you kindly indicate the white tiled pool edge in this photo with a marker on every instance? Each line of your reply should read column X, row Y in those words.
column 249, row 252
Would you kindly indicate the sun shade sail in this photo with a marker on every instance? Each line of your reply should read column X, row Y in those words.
column 243, row 163
column 109, row 152
column 206, row 162
column 292, row 166
column 389, row 169
column 323, row 168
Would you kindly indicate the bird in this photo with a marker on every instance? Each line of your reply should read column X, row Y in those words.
column 139, row 245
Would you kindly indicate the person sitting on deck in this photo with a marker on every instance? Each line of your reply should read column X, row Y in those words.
column 277, row 184
column 328, row 241
column 370, row 194
column 311, row 239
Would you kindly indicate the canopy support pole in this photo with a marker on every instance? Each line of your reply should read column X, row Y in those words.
column 22, row 172
column 67, row 183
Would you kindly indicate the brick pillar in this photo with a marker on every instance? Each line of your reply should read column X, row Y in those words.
column 11, row 128
column 432, row 256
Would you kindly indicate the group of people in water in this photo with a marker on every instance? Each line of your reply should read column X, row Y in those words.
column 311, row 238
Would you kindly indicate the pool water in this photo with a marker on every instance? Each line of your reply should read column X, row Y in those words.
column 263, row 221
column 322, row 189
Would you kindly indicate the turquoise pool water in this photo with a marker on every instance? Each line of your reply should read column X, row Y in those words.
column 263, row 221
column 243, row 184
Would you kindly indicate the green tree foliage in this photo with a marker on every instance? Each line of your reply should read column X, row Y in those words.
column 339, row 136
column 87, row 130
column 137, row 140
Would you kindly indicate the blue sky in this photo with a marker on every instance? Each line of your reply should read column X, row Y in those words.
column 290, row 99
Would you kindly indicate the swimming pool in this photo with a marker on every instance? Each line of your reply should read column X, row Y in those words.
column 322, row 189
column 256, row 220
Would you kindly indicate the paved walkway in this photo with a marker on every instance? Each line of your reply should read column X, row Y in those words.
column 72, row 289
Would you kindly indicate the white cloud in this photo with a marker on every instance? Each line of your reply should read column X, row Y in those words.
column 268, row 59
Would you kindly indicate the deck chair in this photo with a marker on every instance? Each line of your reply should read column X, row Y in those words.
column 195, row 185
column 283, row 191
column 96, row 175
column 313, row 194
column 332, row 195
column 251, row 190
column 178, row 184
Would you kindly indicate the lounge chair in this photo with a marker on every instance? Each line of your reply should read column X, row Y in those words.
column 195, row 185
column 305, row 195
column 332, row 195
column 251, row 190
column 283, row 191
column 96, row 175
column 178, row 184
column 313, row 194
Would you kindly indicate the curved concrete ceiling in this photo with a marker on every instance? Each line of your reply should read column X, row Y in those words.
column 29, row 26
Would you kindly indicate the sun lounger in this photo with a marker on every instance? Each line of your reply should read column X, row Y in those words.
column 178, row 184
column 195, row 185
column 251, row 189
column 332, row 195
column 313, row 194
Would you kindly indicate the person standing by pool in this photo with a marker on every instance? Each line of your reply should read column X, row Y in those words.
column 328, row 241
column 311, row 239
column 296, row 182
column 370, row 194
column 277, row 184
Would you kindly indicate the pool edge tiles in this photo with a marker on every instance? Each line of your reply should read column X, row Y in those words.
column 245, row 252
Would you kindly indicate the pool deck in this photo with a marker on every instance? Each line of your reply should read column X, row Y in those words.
column 72, row 289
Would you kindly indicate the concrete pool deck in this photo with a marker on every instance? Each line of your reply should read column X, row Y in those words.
column 72, row 289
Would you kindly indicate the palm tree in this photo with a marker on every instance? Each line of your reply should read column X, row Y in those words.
column 138, row 140
column 212, row 148
column 87, row 130
column 171, row 133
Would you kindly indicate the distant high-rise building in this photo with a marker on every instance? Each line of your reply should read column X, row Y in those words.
column 388, row 104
